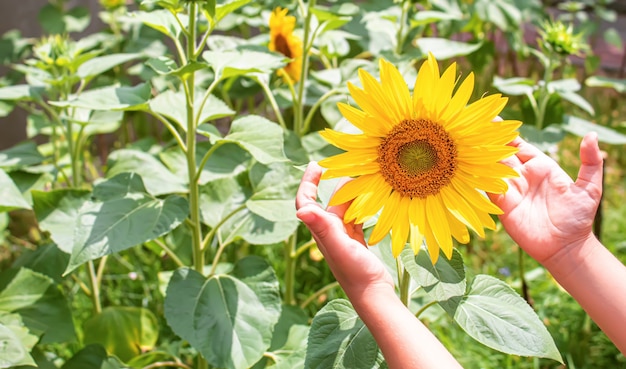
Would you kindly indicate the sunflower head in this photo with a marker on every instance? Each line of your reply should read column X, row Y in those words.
column 422, row 161
column 285, row 42
column 558, row 38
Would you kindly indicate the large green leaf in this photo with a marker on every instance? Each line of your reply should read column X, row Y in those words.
column 20, row 156
column 259, row 136
column 219, row 198
column 10, row 196
column 228, row 319
column 93, row 357
column 40, row 303
column 255, row 229
column 163, row 21
column 136, row 330
column 443, row 48
column 275, row 189
column 496, row 316
column 111, row 98
column 235, row 63
column 338, row 338
column 15, row 342
column 618, row 85
column 121, row 215
column 444, row 281
column 172, row 104
column 101, row 64
column 155, row 176
column 581, row 127
column 21, row 92
column 47, row 259
column 289, row 339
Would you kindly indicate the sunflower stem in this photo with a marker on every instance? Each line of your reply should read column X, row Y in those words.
column 406, row 4
column 290, row 269
column 299, row 128
column 404, row 282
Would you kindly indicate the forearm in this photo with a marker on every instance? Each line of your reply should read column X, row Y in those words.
column 404, row 340
column 597, row 280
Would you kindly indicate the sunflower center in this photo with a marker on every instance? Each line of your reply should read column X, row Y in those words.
column 417, row 158
column 282, row 46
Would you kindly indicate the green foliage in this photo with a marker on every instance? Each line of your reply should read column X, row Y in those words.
column 149, row 218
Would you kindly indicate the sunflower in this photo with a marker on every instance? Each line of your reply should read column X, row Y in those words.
column 425, row 160
column 285, row 42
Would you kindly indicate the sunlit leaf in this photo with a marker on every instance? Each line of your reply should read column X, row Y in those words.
column 228, row 318
column 443, row 48
column 136, row 330
column 163, row 21
column 15, row 342
column 338, row 339
column 111, row 98
column 241, row 62
column 39, row 302
column 496, row 316
column 172, row 105
column 580, row 127
column 10, row 196
column 101, row 64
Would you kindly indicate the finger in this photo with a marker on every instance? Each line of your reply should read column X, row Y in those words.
column 591, row 162
column 526, row 150
column 307, row 191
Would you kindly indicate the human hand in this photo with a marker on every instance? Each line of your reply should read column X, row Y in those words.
column 356, row 268
column 545, row 212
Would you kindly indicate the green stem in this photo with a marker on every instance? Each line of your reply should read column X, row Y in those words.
column 171, row 129
column 544, row 95
column 194, row 192
column 169, row 252
column 404, row 285
column 290, row 269
column 318, row 293
column 423, row 308
column 305, row 247
column 94, row 287
column 273, row 103
column 406, row 4
column 307, row 121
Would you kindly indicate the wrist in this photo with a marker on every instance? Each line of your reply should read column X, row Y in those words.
column 572, row 257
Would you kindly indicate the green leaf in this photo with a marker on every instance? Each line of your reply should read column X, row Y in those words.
column 47, row 259
column 443, row 48
column 155, row 176
column 219, row 198
column 21, row 92
column 226, row 8
column 275, row 189
column 136, row 330
column 173, row 104
column 425, row 17
column 256, row 229
column 20, row 156
column 223, row 317
column 111, row 98
column 10, row 196
column 235, row 63
column 618, row 85
column 514, row 86
column 163, row 21
column 56, row 213
column 56, row 21
column 259, row 136
column 120, row 216
column 544, row 139
column 93, row 357
column 444, row 281
column 101, row 64
column 338, row 339
column 15, row 342
column 168, row 67
column 39, row 302
column 580, row 127
column 289, row 339
column 496, row 316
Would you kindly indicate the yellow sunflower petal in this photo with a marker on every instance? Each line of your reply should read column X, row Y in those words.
column 347, row 141
column 396, row 88
column 458, row 229
column 427, row 77
column 460, row 99
column 386, row 219
column 351, row 171
column 474, row 198
column 400, row 228
column 443, row 92
column 365, row 207
column 483, row 110
column 461, row 210
column 416, row 239
column 370, row 106
column 438, row 223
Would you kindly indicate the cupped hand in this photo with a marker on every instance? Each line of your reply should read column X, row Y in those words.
column 545, row 211
column 343, row 246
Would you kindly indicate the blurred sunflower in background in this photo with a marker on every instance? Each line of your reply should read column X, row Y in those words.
column 425, row 160
column 285, row 42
